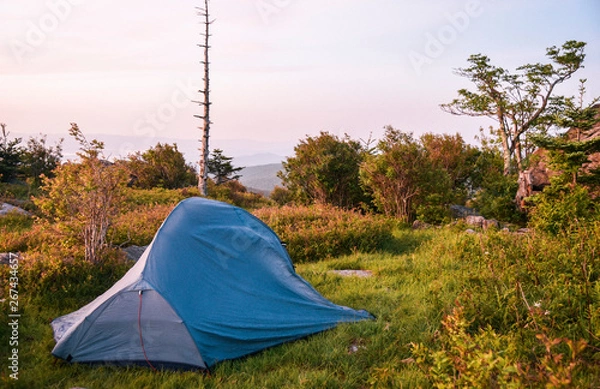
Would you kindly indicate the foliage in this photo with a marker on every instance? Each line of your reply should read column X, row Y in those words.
column 517, row 101
column 458, row 159
column 281, row 196
column 529, row 314
column 133, row 198
column 561, row 207
column 535, row 294
column 481, row 360
column 40, row 160
column 138, row 226
column 162, row 166
column 402, row 176
column 496, row 198
column 233, row 192
column 569, row 152
column 325, row 170
column 84, row 196
column 221, row 168
column 490, row 360
column 10, row 156
column 316, row 232
column 67, row 282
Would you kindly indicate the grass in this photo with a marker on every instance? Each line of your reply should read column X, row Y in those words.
column 348, row 356
column 417, row 278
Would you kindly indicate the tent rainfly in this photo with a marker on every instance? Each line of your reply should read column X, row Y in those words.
column 214, row 284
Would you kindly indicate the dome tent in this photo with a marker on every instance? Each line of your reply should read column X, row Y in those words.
column 214, row 284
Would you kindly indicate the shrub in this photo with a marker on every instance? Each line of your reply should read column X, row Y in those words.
column 316, row 232
column 84, row 197
column 138, row 226
column 67, row 283
column 137, row 197
column 557, row 208
column 486, row 359
column 496, row 198
column 161, row 166
column 534, row 294
column 233, row 192
column 17, row 222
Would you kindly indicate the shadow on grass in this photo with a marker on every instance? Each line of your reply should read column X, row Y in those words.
column 406, row 241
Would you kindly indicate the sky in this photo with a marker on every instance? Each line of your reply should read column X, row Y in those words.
column 281, row 70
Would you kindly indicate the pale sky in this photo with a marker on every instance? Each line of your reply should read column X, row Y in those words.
column 280, row 69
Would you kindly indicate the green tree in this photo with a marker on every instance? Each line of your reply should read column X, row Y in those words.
column 570, row 150
column 494, row 193
column 401, row 177
column 455, row 157
column 221, row 168
column 325, row 170
column 517, row 101
column 39, row 160
column 567, row 200
column 10, row 156
column 84, row 196
column 161, row 166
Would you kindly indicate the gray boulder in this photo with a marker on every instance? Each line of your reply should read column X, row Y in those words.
column 6, row 208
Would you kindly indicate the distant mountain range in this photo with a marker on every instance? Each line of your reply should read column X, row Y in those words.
column 261, row 160
column 262, row 178
column 245, row 152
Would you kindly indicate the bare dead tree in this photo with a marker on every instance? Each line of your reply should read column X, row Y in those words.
column 204, row 150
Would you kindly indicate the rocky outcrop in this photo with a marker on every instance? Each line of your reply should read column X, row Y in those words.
column 134, row 253
column 6, row 208
column 420, row 225
column 481, row 222
column 534, row 179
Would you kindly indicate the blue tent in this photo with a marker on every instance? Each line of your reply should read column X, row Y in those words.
column 214, row 284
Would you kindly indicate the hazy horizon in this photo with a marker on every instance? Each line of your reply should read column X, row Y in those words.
column 280, row 70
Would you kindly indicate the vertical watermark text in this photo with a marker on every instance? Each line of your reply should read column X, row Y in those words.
column 13, row 316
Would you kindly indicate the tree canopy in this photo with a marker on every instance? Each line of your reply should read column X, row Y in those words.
column 516, row 101
column 325, row 170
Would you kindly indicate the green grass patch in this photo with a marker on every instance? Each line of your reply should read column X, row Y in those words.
column 452, row 310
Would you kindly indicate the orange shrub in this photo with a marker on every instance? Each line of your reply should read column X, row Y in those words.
column 316, row 232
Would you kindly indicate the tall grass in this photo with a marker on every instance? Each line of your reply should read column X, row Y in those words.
column 452, row 309
column 313, row 233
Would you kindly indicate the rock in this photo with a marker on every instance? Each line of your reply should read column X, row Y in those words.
column 523, row 231
column 352, row 273
column 470, row 231
column 6, row 208
column 420, row 225
column 491, row 223
column 6, row 257
column 134, row 252
column 475, row 221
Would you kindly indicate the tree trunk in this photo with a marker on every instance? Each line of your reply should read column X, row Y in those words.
column 204, row 148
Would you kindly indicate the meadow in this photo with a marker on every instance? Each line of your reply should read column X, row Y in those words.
column 490, row 309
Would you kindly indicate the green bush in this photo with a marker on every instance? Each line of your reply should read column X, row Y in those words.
column 536, row 295
column 496, row 199
column 434, row 210
column 15, row 222
column 557, row 209
column 316, row 232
